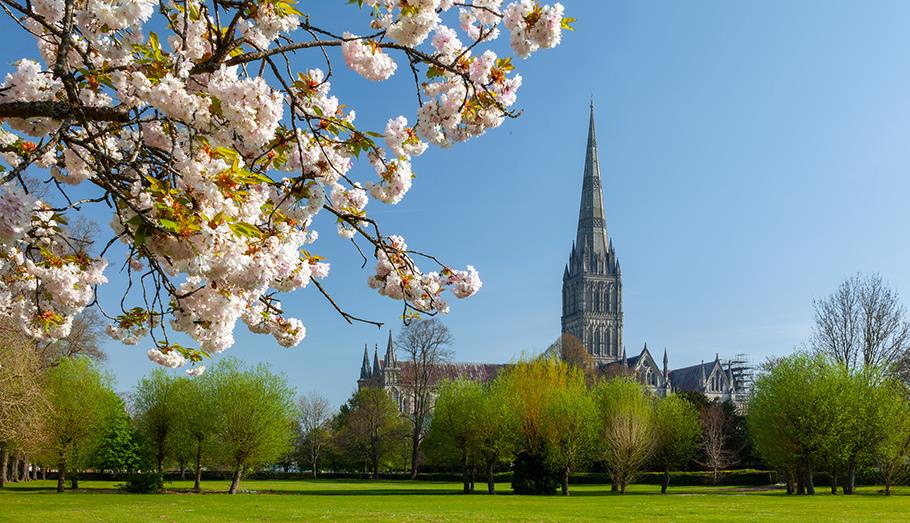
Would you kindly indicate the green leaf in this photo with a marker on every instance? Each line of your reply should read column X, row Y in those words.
column 169, row 225
column 140, row 236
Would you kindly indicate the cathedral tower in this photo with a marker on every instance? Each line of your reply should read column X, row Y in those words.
column 592, row 281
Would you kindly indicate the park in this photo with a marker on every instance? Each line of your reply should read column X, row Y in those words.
column 352, row 500
column 241, row 248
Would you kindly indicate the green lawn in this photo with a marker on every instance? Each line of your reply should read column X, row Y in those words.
column 426, row 501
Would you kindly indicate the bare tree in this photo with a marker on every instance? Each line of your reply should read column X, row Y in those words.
column 314, row 417
column 84, row 339
column 715, row 435
column 426, row 345
column 572, row 351
column 863, row 324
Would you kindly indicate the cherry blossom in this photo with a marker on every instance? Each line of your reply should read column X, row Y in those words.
column 214, row 152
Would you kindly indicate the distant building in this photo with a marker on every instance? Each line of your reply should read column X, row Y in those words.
column 387, row 373
column 591, row 312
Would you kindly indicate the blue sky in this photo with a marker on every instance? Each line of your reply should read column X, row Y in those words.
column 753, row 154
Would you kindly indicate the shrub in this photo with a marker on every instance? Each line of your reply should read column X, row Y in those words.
column 145, row 483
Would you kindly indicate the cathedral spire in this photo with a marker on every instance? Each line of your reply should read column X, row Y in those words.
column 377, row 370
column 365, row 367
column 389, row 360
column 592, row 228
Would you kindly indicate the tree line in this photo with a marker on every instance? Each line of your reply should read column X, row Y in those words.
column 838, row 406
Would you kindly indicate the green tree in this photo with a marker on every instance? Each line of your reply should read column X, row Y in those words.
column 570, row 416
column 496, row 427
column 256, row 408
column 156, row 407
column 455, row 428
column 795, row 419
column 198, row 421
column 677, row 431
column 893, row 449
column 626, row 425
column 120, row 450
column 82, row 405
column 529, row 389
column 371, row 430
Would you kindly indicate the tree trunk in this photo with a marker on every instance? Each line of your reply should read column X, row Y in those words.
column 43, row 472
column 622, row 487
column 74, row 479
column 14, row 468
column 4, row 462
column 614, row 486
column 160, row 460
column 491, row 482
column 800, row 481
column 375, row 461
column 61, row 475
column 810, row 482
column 198, row 470
column 25, row 469
column 888, row 485
column 466, row 472
column 666, row 481
column 565, row 481
column 415, row 446
column 235, row 481
column 851, row 478
column 473, row 474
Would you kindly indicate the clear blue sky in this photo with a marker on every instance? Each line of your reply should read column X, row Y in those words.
column 753, row 155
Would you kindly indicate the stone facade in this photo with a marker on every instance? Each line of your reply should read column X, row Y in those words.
column 392, row 375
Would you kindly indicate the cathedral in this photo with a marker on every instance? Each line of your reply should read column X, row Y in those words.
column 591, row 312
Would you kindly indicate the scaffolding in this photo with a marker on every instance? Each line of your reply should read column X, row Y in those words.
column 743, row 373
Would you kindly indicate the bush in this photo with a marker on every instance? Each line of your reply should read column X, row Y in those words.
column 146, row 483
column 532, row 476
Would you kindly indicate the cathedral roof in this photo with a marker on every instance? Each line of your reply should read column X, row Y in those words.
column 482, row 372
column 692, row 378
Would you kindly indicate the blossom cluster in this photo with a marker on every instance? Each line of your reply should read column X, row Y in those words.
column 215, row 172
column 398, row 277
column 45, row 282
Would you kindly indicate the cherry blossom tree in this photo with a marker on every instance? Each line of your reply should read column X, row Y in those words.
column 212, row 152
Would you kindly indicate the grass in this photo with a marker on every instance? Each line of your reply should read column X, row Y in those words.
column 352, row 500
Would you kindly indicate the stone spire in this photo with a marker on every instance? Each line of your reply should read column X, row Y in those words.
column 591, row 284
column 389, row 359
column 704, row 379
column 365, row 366
column 666, row 366
column 377, row 370
column 592, row 227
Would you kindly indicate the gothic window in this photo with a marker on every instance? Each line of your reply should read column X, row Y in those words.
column 608, row 299
column 596, row 301
column 596, row 348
